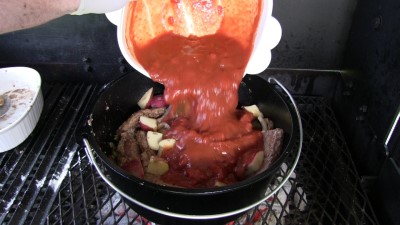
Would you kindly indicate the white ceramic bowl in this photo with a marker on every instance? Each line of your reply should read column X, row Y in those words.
column 268, row 36
column 23, row 87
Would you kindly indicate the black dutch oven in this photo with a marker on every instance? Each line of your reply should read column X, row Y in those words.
column 169, row 205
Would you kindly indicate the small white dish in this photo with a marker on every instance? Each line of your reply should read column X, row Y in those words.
column 268, row 36
column 22, row 85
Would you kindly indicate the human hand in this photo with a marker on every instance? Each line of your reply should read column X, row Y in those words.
column 99, row 6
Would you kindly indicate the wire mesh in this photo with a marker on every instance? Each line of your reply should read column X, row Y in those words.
column 324, row 189
column 49, row 180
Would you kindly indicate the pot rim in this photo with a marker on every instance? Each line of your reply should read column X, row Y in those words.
column 88, row 139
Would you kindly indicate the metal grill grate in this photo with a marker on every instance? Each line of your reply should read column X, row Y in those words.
column 49, row 180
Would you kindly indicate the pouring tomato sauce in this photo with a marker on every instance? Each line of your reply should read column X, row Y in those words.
column 201, row 75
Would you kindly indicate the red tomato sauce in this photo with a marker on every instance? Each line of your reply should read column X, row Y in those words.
column 201, row 76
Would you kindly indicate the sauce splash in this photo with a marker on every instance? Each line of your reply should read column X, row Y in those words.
column 201, row 75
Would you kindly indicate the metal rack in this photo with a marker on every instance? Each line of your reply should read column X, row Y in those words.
column 49, row 180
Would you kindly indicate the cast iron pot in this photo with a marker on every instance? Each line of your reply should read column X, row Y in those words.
column 168, row 205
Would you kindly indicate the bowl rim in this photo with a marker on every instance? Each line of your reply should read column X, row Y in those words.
column 267, row 7
column 36, row 77
column 87, row 135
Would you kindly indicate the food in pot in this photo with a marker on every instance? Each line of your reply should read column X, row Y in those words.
column 149, row 150
column 211, row 142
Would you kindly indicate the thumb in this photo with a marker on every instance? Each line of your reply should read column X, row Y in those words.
column 99, row 6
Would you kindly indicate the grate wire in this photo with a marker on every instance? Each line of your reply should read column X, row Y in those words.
column 324, row 188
